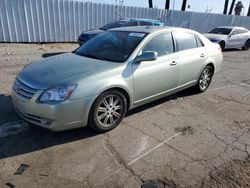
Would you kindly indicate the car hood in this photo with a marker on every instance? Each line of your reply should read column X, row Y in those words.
column 93, row 32
column 62, row 69
column 215, row 36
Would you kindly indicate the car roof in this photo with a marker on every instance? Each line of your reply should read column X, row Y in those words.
column 141, row 19
column 148, row 29
column 231, row 27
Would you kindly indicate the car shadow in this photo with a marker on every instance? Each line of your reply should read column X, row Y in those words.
column 35, row 138
column 45, row 55
column 232, row 49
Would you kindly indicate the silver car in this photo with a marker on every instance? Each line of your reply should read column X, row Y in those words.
column 230, row 37
column 114, row 72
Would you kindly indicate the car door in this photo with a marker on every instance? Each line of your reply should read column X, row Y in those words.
column 235, row 39
column 153, row 78
column 243, row 37
column 192, row 55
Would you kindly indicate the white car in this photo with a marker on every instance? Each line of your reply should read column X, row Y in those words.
column 230, row 37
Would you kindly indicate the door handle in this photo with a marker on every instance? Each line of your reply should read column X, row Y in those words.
column 173, row 63
column 202, row 55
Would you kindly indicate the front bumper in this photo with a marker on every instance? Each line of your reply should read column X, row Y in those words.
column 65, row 115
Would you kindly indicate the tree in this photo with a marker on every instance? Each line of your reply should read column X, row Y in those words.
column 184, row 3
column 231, row 7
column 238, row 8
column 225, row 7
column 248, row 13
column 167, row 4
column 150, row 3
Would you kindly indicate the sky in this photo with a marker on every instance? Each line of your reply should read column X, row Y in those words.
column 213, row 6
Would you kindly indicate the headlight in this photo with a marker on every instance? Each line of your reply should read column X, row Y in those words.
column 57, row 94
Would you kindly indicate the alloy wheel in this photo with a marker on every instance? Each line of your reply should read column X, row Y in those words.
column 109, row 110
column 205, row 79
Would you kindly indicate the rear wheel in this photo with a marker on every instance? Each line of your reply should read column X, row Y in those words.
column 205, row 79
column 222, row 45
column 108, row 111
column 246, row 46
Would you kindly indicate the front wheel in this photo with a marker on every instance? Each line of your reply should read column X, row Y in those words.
column 246, row 46
column 222, row 45
column 108, row 111
column 205, row 79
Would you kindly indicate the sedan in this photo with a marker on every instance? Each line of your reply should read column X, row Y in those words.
column 116, row 71
column 230, row 37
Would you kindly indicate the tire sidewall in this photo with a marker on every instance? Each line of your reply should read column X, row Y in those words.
column 247, row 45
column 198, row 84
column 94, row 123
column 222, row 45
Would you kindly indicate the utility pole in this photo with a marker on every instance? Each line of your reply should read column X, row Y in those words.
column 118, row 7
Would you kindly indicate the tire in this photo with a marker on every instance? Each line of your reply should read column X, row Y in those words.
column 222, row 45
column 246, row 46
column 108, row 111
column 204, row 79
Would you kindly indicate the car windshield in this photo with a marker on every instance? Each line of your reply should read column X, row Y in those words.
column 112, row 25
column 113, row 46
column 221, row 31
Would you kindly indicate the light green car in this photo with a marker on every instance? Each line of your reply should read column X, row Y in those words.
column 116, row 71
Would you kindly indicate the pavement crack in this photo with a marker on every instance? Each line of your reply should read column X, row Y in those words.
column 118, row 157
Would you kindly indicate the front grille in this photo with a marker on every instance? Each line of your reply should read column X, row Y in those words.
column 23, row 90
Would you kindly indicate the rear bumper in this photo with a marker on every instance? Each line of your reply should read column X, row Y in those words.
column 56, row 117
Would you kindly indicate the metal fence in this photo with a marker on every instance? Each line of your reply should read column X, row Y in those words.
column 64, row 20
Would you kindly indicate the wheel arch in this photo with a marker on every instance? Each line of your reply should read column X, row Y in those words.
column 120, row 88
column 211, row 65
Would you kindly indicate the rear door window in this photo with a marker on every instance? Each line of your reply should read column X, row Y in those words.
column 185, row 41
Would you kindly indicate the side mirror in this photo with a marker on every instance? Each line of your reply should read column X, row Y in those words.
column 146, row 56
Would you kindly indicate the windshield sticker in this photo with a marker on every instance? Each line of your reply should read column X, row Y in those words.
column 136, row 34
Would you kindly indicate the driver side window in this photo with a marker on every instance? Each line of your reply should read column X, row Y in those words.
column 162, row 44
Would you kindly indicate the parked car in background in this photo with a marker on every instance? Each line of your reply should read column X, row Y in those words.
column 230, row 37
column 87, row 35
column 116, row 71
